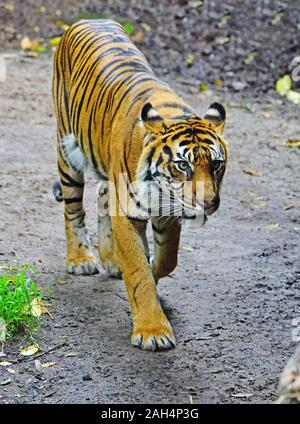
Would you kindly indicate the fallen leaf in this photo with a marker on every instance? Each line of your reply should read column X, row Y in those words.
column 242, row 395
column 195, row 3
column 203, row 87
column 11, row 370
column 218, row 82
column 222, row 40
column 49, row 364
column 265, row 114
column 146, row 27
column 292, row 142
column 293, row 96
column 54, row 41
column 190, row 59
column 5, row 363
column 28, row 44
column 283, row 85
column 252, row 172
column 187, row 248
column 8, row 268
column 288, row 206
column 38, row 308
column 71, row 354
column 31, row 350
column 137, row 37
column 191, row 402
column 223, row 21
column 61, row 281
column 40, row 49
column 277, row 18
column 271, row 226
column 9, row 6
column 250, row 57
column 5, row 382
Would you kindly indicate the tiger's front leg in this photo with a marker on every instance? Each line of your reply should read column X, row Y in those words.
column 166, row 233
column 80, row 258
column 151, row 328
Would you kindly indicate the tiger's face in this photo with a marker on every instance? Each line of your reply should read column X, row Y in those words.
column 186, row 159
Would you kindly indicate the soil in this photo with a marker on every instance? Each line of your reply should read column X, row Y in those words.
column 233, row 296
column 243, row 45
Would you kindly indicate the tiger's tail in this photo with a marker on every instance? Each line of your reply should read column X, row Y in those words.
column 57, row 191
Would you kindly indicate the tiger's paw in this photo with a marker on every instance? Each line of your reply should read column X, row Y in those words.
column 156, row 338
column 83, row 265
column 112, row 269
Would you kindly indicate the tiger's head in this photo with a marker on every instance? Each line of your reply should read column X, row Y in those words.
column 186, row 158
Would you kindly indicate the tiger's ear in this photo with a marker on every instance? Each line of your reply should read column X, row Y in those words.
column 152, row 120
column 216, row 116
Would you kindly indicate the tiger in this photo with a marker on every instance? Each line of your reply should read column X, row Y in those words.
column 116, row 117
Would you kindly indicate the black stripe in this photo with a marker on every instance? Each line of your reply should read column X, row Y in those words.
column 70, row 200
column 71, row 182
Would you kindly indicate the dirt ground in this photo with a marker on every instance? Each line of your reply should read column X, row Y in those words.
column 231, row 300
column 243, row 45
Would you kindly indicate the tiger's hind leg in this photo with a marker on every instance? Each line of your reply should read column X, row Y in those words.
column 80, row 258
column 105, row 234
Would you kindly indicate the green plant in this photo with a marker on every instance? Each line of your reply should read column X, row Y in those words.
column 18, row 295
column 129, row 27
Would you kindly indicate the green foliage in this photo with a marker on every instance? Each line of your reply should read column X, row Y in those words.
column 129, row 27
column 17, row 291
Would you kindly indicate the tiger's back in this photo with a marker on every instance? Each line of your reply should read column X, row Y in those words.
column 101, row 81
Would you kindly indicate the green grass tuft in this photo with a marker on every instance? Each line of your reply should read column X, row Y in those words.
column 17, row 290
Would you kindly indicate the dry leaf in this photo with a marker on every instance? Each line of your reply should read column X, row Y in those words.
column 31, row 350
column 5, row 382
column 137, row 37
column 293, row 96
column 252, row 172
column 71, row 354
column 292, row 142
column 5, row 363
column 218, row 82
column 49, row 364
column 288, row 206
column 61, row 281
column 54, row 41
column 191, row 402
column 190, row 59
column 187, row 248
column 242, row 395
column 11, row 370
column 28, row 44
column 8, row 268
column 271, row 226
column 283, row 85
column 146, row 27
column 38, row 308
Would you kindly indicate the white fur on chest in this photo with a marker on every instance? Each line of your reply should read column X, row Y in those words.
column 75, row 157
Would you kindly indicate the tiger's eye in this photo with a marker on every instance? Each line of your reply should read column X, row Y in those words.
column 183, row 165
column 216, row 164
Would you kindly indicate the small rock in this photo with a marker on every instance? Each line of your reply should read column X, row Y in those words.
column 238, row 85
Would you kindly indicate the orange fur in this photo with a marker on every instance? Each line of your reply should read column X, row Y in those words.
column 115, row 115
